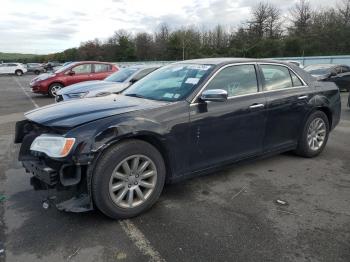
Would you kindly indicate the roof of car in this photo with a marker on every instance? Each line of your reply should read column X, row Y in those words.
column 229, row 60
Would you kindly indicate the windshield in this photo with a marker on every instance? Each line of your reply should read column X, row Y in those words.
column 318, row 69
column 64, row 68
column 121, row 75
column 170, row 83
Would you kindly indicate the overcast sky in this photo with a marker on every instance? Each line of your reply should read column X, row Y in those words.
column 44, row 26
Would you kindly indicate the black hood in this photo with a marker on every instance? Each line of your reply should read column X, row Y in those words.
column 77, row 112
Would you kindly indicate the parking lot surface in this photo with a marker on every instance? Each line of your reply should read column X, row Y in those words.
column 231, row 215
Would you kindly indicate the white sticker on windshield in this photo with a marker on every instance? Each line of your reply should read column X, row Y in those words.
column 177, row 68
column 168, row 95
column 192, row 81
column 199, row 67
column 176, row 96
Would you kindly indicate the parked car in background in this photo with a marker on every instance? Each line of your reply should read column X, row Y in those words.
column 35, row 68
column 49, row 66
column 297, row 63
column 182, row 120
column 115, row 83
column 50, row 83
column 13, row 68
column 339, row 74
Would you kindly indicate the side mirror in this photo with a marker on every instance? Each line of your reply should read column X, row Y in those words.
column 71, row 73
column 215, row 95
column 133, row 80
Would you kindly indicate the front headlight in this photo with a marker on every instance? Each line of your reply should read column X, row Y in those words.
column 53, row 146
column 77, row 95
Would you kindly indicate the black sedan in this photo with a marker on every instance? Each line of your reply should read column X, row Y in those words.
column 185, row 119
column 339, row 74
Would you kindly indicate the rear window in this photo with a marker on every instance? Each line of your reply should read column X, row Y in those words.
column 102, row 68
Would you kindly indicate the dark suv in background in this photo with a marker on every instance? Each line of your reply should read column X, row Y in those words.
column 339, row 74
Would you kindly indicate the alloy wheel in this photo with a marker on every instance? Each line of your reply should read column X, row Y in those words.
column 54, row 89
column 133, row 181
column 316, row 134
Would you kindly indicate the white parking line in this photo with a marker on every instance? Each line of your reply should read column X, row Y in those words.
column 25, row 92
column 140, row 241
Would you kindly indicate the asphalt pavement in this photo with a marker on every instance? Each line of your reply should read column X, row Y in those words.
column 231, row 215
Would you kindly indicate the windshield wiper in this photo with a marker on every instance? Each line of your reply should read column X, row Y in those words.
column 136, row 95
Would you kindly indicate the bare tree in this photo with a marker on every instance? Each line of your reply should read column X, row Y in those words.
column 344, row 11
column 301, row 15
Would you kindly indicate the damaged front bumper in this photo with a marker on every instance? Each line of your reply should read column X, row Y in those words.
column 64, row 175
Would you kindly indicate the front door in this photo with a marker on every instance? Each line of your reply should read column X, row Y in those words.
column 82, row 72
column 229, row 130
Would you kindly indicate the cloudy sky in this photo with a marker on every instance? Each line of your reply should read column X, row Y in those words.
column 44, row 26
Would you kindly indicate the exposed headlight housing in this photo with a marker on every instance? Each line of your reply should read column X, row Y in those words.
column 53, row 146
column 77, row 95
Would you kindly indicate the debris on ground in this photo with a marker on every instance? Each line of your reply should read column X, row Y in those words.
column 2, row 251
column 282, row 202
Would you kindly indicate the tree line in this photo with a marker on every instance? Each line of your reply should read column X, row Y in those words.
column 304, row 31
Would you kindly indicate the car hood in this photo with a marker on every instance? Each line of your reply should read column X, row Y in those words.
column 76, row 112
column 86, row 86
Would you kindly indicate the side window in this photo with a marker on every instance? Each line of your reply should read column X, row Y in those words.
column 101, row 68
column 295, row 79
column 236, row 80
column 276, row 77
column 82, row 69
column 143, row 73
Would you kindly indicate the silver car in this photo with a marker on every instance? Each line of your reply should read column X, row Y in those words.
column 114, row 83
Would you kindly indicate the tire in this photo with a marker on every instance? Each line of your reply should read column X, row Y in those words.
column 113, row 160
column 37, row 72
column 18, row 72
column 53, row 88
column 305, row 149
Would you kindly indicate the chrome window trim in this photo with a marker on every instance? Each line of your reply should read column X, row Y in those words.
column 277, row 64
column 258, row 92
column 222, row 68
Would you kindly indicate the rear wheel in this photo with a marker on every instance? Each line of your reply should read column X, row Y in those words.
column 314, row 135
column 128, row 179
column 18, row 72
column 37, row 72
column 54, row 88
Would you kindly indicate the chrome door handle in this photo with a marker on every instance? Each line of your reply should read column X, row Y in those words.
column 255, row 106
column 303, row 97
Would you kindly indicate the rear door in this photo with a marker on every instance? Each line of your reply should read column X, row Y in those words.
column 233, row 129
column 82, row 73
column 287, row 98
column 101, row 71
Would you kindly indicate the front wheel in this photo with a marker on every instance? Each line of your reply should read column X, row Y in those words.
column 128, row 179
column 54, row 88
column 314, row 135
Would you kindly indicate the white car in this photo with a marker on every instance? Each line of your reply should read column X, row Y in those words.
column 13, row 68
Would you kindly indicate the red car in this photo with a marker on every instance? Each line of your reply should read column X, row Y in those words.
column 70, row 74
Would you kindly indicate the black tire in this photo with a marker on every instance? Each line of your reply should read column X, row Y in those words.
column 37, row 72
column 105, row 167
column 304, row 149
column 53, row 89
column 19, row 72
